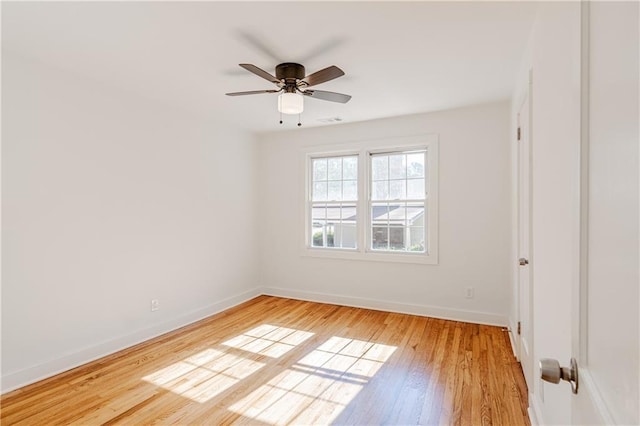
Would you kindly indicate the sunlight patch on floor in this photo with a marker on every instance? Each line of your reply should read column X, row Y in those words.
column 210, row 372
column 318, row 387
column 269, row 340
column 204, row 375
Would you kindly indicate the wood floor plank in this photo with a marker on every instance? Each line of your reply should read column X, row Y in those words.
column 413, row 387
column 281, row 361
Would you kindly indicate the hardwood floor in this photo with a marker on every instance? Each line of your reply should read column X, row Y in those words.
column 277, row 361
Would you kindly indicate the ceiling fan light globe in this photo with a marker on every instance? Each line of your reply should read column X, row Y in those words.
column 290, row 103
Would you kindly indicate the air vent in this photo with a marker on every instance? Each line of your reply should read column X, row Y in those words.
column 330, row 120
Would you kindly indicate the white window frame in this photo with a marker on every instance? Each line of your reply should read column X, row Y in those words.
column 363, row 150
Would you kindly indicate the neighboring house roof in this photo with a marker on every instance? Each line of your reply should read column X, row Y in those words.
column 395, row 214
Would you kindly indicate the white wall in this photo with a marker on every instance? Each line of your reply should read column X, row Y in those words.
column 109, row 201
column 474, row 214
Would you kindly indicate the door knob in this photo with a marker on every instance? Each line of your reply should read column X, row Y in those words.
column 522, row 261
column 550, row 371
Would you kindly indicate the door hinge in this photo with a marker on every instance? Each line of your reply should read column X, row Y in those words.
column 519, row 327
column 518, row 133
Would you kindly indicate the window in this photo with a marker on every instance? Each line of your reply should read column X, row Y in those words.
column 397, row 204
column 333, row 202
column 375, row 202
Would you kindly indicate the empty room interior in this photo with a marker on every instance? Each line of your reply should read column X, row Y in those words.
column 320, row 213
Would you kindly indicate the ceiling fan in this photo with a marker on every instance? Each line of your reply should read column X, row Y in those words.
column 293, row 85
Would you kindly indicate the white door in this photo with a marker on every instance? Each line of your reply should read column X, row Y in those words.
column 606, row 319
column 525, row 323
column 604, row 301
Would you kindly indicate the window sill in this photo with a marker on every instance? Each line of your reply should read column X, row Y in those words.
column 371, row 256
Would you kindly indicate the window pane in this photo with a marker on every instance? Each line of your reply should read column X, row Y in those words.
column 348, row 235
column 415, row 165
column 348, row 213
column 349, row 190
column 335, row 191
column 320, row 169
column 317, row 234
column 335, row 168
column 397, row 166
column 415, row 214
column 397, row 214
column 380, row 167
column 333, row 213
column 319, row 191
column 416, row 239
column 380, row 238
column 380, row 214
column 415, row 188
column 350, row 168
column 396, row 238
column 330, row 231
column 318, row 213
column 397, row 189
column 380, row 190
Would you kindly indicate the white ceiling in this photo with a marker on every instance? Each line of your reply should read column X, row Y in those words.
column 399, row 58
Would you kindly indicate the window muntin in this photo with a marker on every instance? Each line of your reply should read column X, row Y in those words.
column 333, row 205
column 397, row 205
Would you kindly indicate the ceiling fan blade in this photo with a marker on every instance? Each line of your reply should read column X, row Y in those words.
column 322, row 49
column 260, row 45
column 328, row 96
column 251, row 92
column 260, row 72
column 323, row 75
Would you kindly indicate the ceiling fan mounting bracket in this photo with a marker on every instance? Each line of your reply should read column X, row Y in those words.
column 290, row 72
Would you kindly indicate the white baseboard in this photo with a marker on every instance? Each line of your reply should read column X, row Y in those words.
column 380, row 305
column 535, row 414
column 512, row 340
column 47, row 369
column 532, row 417
column 513, row 345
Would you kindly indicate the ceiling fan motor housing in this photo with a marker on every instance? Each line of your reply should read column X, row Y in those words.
column 290, row 72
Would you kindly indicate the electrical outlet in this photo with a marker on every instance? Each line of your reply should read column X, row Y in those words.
column 468, row 293
column 155, row 304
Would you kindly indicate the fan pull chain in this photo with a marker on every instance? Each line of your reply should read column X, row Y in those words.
column 280, row 118
column 299, row 121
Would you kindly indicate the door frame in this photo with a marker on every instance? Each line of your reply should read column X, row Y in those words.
column 526, row 99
